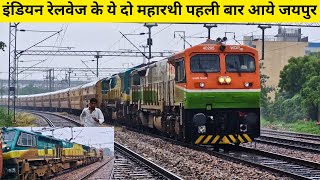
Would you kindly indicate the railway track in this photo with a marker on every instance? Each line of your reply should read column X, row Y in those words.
column 281, row 164
column 301, row 136
column 292, row 167
column 80, row 173
column 130, row 165
column 93, row 172
column 305, row 142
column 55, row 120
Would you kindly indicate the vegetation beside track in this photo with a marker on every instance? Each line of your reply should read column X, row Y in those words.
column 296, row 126
column 5, row 118
column 22, row 119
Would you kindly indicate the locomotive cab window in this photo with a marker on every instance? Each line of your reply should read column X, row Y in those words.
column 180, row 71
column 122, row 83
column 240, row 63
column 8, row 136
column 27, row 140
column 205, row 63
column 136, row 79
column 113, row 83
column 105, row 86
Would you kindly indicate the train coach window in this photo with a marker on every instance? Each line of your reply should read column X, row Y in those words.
column 180, row 71
column 240, row 63
column 205, row 63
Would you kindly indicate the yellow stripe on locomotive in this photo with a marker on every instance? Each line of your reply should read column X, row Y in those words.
column 227, row 139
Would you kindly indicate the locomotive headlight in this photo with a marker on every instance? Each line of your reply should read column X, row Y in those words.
column 201, row 129
column 202, row 85
column 11, row 170
column 243, row 127
column 7, row 149
column 228, row 80
column 221, row 80
column 247, row 84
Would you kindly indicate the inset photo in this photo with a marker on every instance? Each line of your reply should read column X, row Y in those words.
column 57, row 153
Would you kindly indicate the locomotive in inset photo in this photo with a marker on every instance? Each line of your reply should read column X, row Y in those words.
column 33, row 153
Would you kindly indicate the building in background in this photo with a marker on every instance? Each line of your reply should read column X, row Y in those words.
column 279, row 48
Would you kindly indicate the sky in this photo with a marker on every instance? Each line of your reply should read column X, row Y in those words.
column 107, row 36
column 93, row 136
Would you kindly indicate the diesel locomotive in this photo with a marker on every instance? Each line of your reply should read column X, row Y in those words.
column 31, row 155
column 207, row 94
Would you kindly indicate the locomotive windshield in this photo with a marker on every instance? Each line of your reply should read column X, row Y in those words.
column 8, row 136
column 240, row 63
column 204, row 63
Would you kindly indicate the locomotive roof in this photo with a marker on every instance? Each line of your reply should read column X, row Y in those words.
column 141, row 68
column 211, row 42
column 34, row 133
column 41, row 135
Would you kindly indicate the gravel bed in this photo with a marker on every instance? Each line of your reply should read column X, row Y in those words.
column 104, row 172
column 188, row 163
column 285, row 151
column 74, row 117
column 81, row 172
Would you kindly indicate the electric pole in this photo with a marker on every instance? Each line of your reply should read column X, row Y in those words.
column 263, row 28
column 149, row 41
column 144, row 51
column 97, row 59
column 1, row 90
column 12, row 67
column 69, row 79
column 50, row 79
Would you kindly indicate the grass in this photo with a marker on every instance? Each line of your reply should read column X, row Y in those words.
column 22, row 119
column 25, row 119
column 298, row 126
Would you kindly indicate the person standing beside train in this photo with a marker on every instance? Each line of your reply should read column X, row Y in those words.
column 92, row 116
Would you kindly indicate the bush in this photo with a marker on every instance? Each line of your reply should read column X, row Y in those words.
column 5, row 118
column 25, row 119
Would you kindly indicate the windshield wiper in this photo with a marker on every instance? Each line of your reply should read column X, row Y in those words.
column 205, row 71
column 238, row 69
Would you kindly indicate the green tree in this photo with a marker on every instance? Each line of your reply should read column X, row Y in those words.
column 2, row 45
column 311, row 96
column 2, row 90
column 297, row 72
column 292, row 76
column 299, row 86
column 264, row 99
